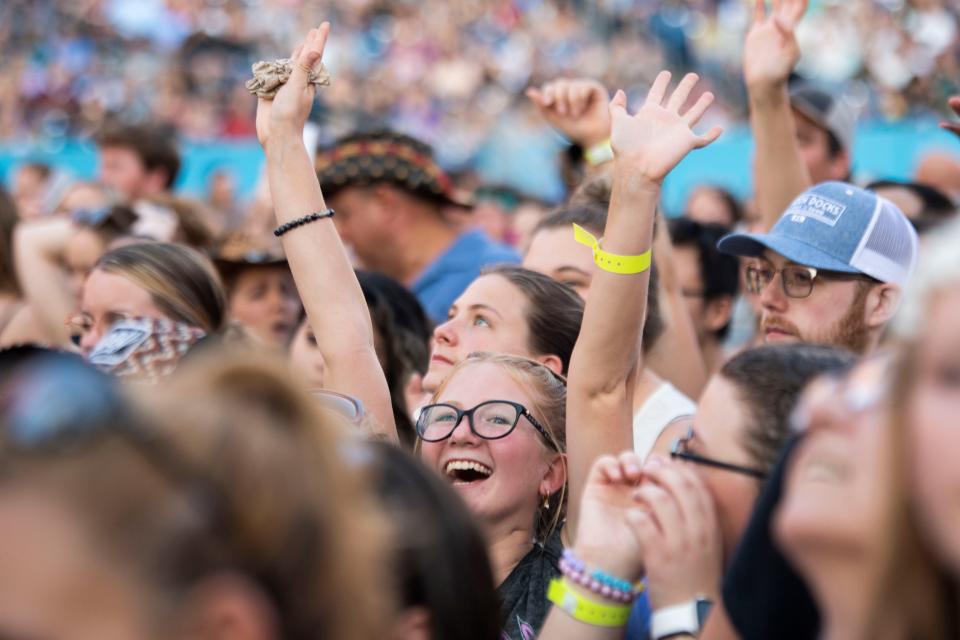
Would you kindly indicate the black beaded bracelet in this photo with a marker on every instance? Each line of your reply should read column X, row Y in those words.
column 299, row 222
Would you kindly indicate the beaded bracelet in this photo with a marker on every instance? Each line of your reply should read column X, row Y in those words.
column 299, row 222
column 597, row 581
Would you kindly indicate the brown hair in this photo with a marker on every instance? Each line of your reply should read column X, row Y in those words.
column 8, row 221
column 769, row 380
column 193, row 229
column 153, row 145
column 235, row 471
column 180, row 280
column 548, row 403
column 553, row 312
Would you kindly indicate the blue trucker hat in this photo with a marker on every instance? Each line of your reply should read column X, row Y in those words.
column 836, row 226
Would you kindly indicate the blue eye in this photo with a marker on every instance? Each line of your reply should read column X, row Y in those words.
column 480, row 321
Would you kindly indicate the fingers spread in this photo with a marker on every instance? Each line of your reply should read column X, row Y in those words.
column 659, row 88
column 759, row 11
column 709, row 137
column 693, row 115
column 682, row 92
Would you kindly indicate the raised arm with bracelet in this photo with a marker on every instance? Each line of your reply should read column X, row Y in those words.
column 324, row 276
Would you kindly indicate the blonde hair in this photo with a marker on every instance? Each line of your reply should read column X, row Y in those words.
column 181, row 281
column 548, row 404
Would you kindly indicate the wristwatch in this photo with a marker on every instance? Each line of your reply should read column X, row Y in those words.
column 686, row 618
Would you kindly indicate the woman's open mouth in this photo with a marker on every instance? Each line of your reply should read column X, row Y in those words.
column 466, row 471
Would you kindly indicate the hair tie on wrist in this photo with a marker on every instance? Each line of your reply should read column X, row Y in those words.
column 612, row 262
column 299, row 222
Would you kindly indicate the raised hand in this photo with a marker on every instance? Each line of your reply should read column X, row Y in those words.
column 576, row 108
column 954, row 103
column 604, row 538
column 659, row 136
column 290, row 108
column 771, row 51
column 679, row 532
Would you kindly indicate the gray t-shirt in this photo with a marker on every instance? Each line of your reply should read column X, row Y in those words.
column 523, row 595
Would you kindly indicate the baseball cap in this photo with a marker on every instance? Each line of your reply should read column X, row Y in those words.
column 833, row 113
column 836, row 226
column 386, row 156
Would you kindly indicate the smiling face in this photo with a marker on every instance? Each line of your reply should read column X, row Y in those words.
column 264, row 300
column 489, row 316
column 932, row 432
column 835, row 501
column 502, row 481
column 554, row 252
column 108, row 298
column 834, row 312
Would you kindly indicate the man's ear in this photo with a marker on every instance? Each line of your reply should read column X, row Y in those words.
column 883, row 300
column 717, row 313
column 840, row 165
column 391, row 203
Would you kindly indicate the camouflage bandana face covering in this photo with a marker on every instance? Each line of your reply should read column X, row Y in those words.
column 268, row 77
column 144, row 349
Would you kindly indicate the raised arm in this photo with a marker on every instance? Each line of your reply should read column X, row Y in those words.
column 605, row 361
column 676, row 356
column 325, row 279
column 38, row 251
column 769, row 55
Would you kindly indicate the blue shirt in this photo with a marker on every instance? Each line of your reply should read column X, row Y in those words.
column 638, row 627
column 445, row 278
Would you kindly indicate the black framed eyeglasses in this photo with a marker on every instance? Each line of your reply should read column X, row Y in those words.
column 797, row 280
column 680, row 450
column 490, row 420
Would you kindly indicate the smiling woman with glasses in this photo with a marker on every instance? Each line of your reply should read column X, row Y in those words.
column 490, row 420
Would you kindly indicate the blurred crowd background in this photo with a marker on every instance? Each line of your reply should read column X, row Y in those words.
column 451, row 72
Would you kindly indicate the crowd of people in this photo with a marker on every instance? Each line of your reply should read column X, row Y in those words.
column 461, row 63
column 386, row 405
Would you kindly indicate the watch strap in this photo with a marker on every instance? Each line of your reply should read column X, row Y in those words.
column 675, row 620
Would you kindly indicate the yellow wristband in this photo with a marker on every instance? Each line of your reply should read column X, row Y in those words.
column 627, row 265
column 599, row 153
column 586, row 610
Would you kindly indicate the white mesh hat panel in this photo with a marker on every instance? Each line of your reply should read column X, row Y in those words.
column 888, row 251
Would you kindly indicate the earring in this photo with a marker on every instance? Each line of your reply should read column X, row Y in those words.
column 546, row 502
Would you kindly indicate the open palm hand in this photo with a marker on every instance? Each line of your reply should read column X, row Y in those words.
column 659, row 136
column 770, row 51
